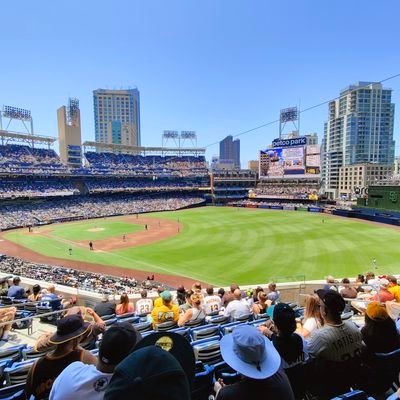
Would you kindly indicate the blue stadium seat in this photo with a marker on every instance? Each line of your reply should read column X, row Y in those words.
column 14, row 353
column 223, row 371
column 143, row 326
column 258, row 322
column 194, row 323
column 203, row 385
column 207, row 350
column 15, row 392
column 227, row 328
column 183, row 331
column 203, row 332
column 354, row 395
column 18, row 372
column 220, row 319
column 166, row 326
column 29, row 353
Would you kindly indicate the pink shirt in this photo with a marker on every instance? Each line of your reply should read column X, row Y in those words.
column 118, row 309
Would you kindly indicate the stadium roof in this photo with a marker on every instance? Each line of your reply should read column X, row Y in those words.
column 6, row 136
column 144, row 150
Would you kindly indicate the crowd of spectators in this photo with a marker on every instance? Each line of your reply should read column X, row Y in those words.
column 284, row 205
column 69, row 277
column 283, row 356
column 85, row 207
column 27, row 160
column 289, row 190
column 139, row 184
column 129, row 164
column 14, row 188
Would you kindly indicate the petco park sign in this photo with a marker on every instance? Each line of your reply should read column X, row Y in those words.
column 299, row 141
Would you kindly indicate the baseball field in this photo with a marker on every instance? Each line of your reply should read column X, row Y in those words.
column 220, row 245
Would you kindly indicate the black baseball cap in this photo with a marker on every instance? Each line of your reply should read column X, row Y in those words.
column 118, row 342
column 149, row 373
column 332, row 300
column 176, row 345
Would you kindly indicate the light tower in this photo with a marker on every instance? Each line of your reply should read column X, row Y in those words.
column 292, row 115
column 11, row 114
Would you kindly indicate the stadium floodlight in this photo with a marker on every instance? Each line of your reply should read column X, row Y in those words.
column 171, row 135
column 17, row 113
column 289, row 114
column 72, row 109
column 188, row 135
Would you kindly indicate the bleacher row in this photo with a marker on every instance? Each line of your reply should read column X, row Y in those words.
column 22, row 159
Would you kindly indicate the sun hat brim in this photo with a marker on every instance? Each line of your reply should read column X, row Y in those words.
column 268, row 367
column 59, row 339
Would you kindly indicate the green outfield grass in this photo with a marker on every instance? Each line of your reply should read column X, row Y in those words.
column 247, row 246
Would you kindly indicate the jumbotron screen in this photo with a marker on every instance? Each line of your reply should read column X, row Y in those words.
column 290, row 160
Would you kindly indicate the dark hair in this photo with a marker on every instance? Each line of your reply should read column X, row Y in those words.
column 16, row 280
column 210, row 290
column 345, row 280
column 221, row 292
column 36, row 289
column 380, row 336
column 361, row 278
column 188, row 294
column 180, row 295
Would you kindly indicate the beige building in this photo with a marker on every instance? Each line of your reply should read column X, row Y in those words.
column 253, row 165
column 355, row 179
column 69, row 133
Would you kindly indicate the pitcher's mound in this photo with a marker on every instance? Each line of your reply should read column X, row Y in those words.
column 95, row 230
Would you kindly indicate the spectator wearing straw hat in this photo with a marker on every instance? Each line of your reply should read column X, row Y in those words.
column 66, row 339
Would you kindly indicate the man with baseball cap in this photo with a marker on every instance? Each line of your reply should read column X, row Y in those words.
column 66, row 339
column 251, row 354
column 336, row 347
column 167, row 311
column 89, row 382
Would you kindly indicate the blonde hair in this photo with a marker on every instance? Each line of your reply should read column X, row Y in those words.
column 196, row 299
column 312, row 308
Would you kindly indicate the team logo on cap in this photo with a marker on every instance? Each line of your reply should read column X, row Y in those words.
column 165, row 342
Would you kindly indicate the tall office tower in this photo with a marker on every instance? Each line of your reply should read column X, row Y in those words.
column 117, row 116
column 229, row 149
column 359, row 130
column 69, row 133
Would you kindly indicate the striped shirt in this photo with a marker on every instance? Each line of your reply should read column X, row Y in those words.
column 336, row 342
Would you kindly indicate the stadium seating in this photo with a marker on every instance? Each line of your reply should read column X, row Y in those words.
column 207, row 350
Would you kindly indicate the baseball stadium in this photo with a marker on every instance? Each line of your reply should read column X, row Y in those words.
column 107, row 225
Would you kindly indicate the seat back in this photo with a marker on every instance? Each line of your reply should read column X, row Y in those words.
column 207, row 350
column 381, row 372
column 228, row 328
column 165, row 326
column 330, row 378
column 107, row 317
column 244, row 318
column 31, row 307
column 195, row 322
column 183, row 331
column 203, row 332
column 14, row 353
column 143, row 326
column 219, row 320
column 110, row 322
column 203, row 384
column 15, row 392
column 29, row 353
column 18, row 372
column 223, row 371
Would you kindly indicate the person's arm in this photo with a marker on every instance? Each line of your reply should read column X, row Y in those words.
column 88, row 358
column 43, row 343
column 98, row 326
column 185, row 317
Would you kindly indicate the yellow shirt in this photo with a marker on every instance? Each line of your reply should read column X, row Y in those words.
column 395, row 290
column 165, row 313
column 158, row 302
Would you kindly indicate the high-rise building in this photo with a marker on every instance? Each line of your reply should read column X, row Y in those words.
column 229, row 150
column 69, row 133
column 117, row 116
column 359, row 130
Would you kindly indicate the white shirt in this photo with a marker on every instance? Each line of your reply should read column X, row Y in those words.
column 80, row 381
column 237, row 309
column 311, row 324
column 212, row 304
column 144, row 306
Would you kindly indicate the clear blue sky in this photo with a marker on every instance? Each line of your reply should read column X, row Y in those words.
column 218, row 67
